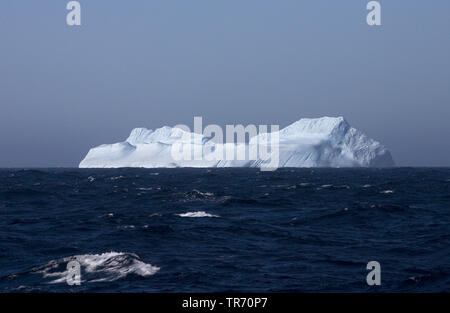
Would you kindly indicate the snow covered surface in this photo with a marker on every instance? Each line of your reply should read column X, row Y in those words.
column 320, row 142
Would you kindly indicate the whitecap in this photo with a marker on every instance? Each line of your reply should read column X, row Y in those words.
column 145, row 189
column 105, row 267
column 127, row 227
column 387, row 191
column 205, row 194
column 91, row 178
column 196, row 195
column 197, row 214
column 106, row 215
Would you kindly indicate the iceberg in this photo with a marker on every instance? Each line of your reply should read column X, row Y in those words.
column 309, row 142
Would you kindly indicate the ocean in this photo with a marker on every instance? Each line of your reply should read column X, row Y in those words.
column 225, row 230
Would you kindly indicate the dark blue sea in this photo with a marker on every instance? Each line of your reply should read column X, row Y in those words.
column 221, row 230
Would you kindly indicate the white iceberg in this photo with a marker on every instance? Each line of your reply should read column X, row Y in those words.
column 320, row 142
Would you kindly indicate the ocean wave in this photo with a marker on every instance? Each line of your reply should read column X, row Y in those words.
column 333, row 187
column 105, row 267
column 116, row 177
column 195, row 195
column 25, row 192
column 145, row 189
column 198, row 193
column 126, row 227
column 197, row 214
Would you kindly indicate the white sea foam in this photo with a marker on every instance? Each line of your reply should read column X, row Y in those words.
column 205, row 194
column 105, row 267
column 196, row 195
column 387, row 191
column 106, row 215
column 127, row 227
column 197, row 214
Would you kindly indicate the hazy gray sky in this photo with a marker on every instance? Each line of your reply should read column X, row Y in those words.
column 153, row 63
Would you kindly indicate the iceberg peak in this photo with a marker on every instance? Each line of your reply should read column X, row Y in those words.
column 324, row 126
column 163, row 135
column 138, row 135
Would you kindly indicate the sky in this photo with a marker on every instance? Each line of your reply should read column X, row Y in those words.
column 152, row 63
